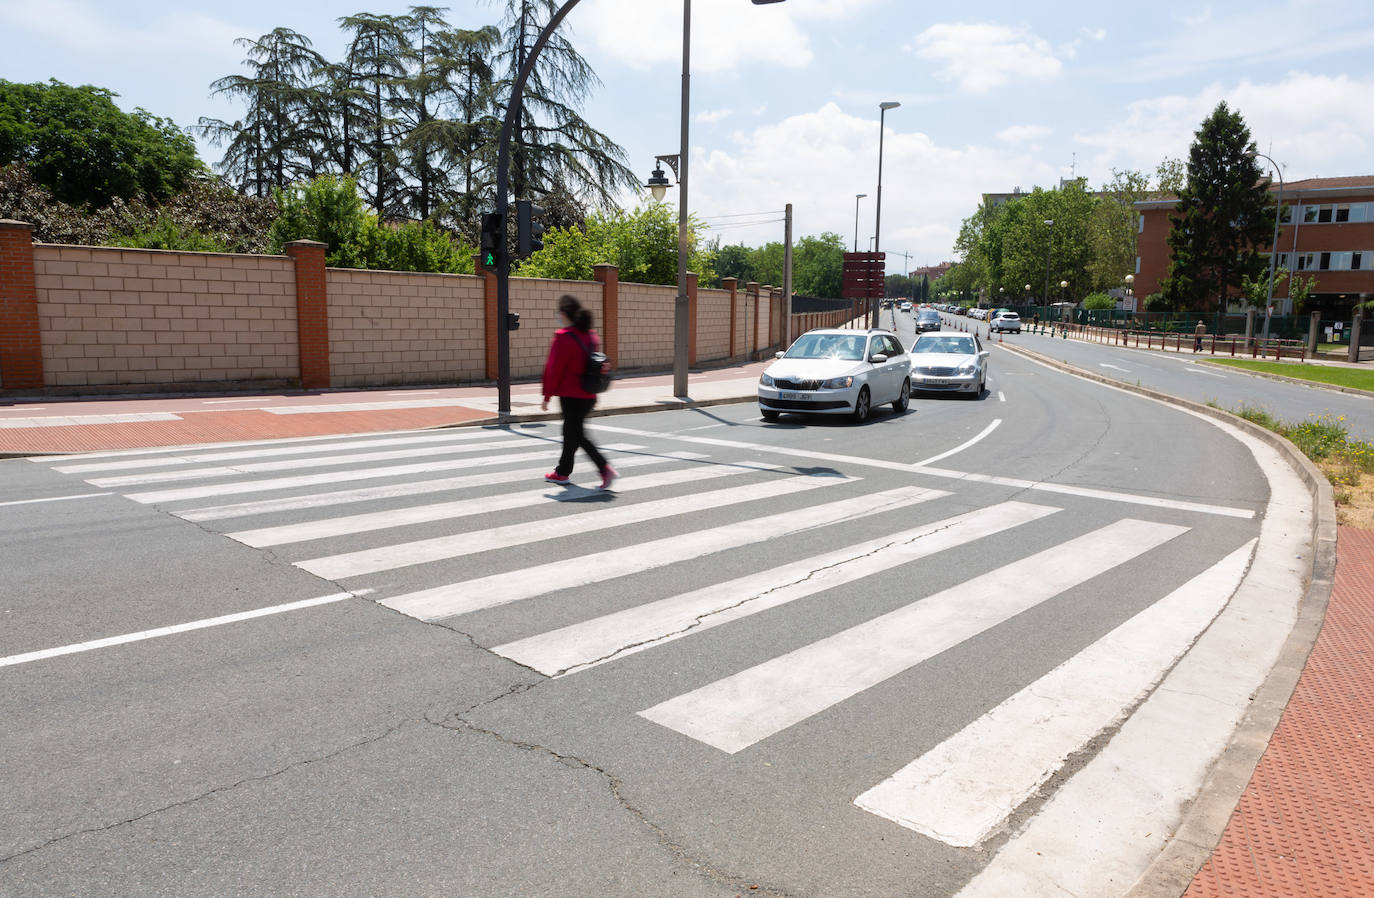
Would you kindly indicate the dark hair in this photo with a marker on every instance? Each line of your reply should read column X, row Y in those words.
column 581, row 318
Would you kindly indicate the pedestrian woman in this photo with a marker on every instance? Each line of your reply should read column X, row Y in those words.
column 1198, row 333
column 572, row 343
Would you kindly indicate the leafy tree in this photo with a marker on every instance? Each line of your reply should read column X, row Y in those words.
column 818, row 265
column 1114, row 229
column 735, row 261
column 1171, row 175
column 273, row 145
column 642, row 244
column 1224, row 213
column 1098, row 301
column 553, row 144
column 375, row 59
column 77, row 143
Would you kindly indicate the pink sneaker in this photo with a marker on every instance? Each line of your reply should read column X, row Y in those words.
column 555, row 477
column 608, row 476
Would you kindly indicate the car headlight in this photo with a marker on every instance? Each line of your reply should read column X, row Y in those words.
column 765, row 380
column 969, row 367
column 838, row 383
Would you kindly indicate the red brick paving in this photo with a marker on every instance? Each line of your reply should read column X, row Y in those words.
column 223, row 427
column 1305, row 826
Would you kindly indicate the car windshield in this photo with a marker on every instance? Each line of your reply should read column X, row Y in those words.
column 828, row 346
column 928, row 313
column 944, row 344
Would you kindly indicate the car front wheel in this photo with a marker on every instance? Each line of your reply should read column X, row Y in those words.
column 861, row 406
column 904, row 400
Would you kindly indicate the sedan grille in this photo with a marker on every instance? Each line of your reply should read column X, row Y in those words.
column 939, row 372
column 797, row 384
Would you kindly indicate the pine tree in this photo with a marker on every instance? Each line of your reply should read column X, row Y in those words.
column 1223, row 218
column 553, row 145
column 375, row 61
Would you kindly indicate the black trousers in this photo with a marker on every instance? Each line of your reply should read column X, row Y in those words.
column 575, row 413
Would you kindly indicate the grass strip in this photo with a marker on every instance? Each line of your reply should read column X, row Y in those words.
column 1354, row 378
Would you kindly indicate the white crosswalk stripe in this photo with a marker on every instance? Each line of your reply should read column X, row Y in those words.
column 328, row 461
column 489, row 592
column 963, row 789
column 239, row 487
column 460, row 508
column 410, row 488
column 594, row 642
column 734, row 713
column 415, row 439
column 387, row 558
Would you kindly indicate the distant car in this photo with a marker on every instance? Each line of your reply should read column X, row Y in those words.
column 962, row 310
column 834, row 371
column 905, row 307
column 949, row 362
column 927, row 320
column 1006, row 321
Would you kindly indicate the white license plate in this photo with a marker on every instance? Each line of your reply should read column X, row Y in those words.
column 794, row 395
column 938, row 380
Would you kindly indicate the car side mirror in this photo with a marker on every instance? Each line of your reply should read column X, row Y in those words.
column 779, row 354
column 877, row 358
column 984, row 354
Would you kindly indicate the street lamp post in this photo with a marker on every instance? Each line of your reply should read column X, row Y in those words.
column 680, row 306
column 1063, row 286
column 1274, row 247
column 857, row 197
column 1049, row 245
column 1130, row 283
column 878, row 216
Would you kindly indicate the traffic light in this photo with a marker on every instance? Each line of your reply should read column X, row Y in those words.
column 527, row 230
column 493, row 239
column 512, row 321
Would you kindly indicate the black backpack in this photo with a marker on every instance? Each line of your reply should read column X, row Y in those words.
column 596, row 373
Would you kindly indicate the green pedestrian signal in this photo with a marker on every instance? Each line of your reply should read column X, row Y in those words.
column 493, row 239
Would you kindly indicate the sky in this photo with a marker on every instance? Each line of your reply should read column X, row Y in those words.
column 784, row 97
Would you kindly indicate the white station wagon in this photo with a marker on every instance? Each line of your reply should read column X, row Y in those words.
column 834, row 371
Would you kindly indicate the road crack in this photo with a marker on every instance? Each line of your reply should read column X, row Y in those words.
column 218, row 790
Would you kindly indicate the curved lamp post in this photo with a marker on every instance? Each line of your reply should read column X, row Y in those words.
column 1274, row 247
column 857, row 197
column 1130, row 283
column 1049, row 245
column 878, row 217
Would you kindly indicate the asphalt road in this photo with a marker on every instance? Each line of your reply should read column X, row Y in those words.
column 1187, row 375
column 410, row 734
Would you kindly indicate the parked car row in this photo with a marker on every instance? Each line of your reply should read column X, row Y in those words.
column 834, row 371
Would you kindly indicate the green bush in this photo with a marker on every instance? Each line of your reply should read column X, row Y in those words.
column 1098, row 302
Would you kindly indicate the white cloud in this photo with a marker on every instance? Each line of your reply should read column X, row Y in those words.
column 1316, row 125
column 980, row 58
column 713, row 115
column 78, row 27
column 1023, row 133
column 725, row 33
column 819, row 160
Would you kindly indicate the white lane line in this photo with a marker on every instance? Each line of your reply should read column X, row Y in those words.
column 237, row 487
column 1117, row 367
column 588, row 644
column 85, row 420
column 733, row 713
column 962, row 446
column 1085, row 492
column 389, row 558
column 501, row 589
column 1196, row 370
column 29, row 408
column 169, row 631
column 409, row 488
column 460, row 508
column 53, row 499
column 1001, row 397
column 443, row 437
column 964, row 788
column 296, row 464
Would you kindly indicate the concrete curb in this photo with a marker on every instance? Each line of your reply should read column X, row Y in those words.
column 1204, row 821
column 1335, row 388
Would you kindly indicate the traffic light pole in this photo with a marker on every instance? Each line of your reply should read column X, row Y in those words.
column 513, row 107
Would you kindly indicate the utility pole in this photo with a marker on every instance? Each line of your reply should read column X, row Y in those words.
column 787, row 275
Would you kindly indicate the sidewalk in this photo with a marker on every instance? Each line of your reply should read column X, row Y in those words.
column 62, row 425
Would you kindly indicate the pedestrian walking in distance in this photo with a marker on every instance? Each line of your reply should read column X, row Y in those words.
column 1198, row 333
column 572, row 344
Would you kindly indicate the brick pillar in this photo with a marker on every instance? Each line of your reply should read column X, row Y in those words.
column 731, row 284
column 21, row 345
column 609, row 278
column 751, row 319
column 312, row 312
column 691, row 318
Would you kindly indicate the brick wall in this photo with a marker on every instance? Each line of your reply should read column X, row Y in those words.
column 646, row 325
column 118, row 316
column 536, row 299
column 395, row 328
column 713, row 324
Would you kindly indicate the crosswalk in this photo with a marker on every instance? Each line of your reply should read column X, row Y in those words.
column 455, row 527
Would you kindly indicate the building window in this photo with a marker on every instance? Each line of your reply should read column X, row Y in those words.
column 1309, row 214
column 1343, row 212
column 1286, row 215
column 1355, row 259
column 1359, row 211
column 1324, row 214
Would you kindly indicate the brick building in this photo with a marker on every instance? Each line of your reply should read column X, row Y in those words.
column 1326, row 232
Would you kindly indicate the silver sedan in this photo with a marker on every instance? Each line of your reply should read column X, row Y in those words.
column 949, row 362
